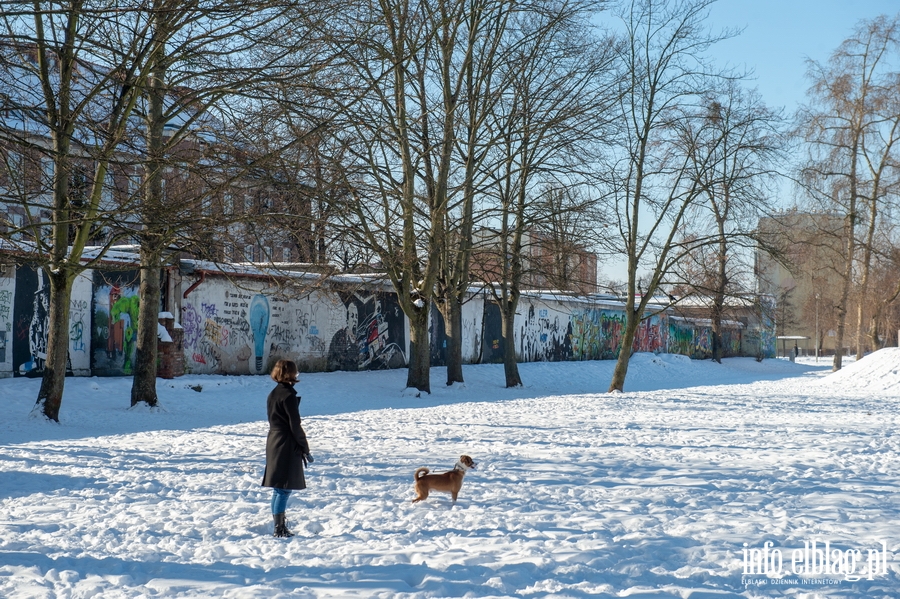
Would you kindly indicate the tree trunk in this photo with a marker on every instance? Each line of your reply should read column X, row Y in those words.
column 419, row 373
column 143, row 386
column 627, row 344
column 50, row 395
column 719, row 296
column 452, row 312
column 510, row 365
column 865, row 267
column 849, row 230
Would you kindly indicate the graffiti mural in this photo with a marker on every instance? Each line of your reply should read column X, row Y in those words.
column 32, row 312
column 243, row 331
column 30, row 320
column 114, row 322
column 694, row 339
column 650, row 336
column 234, row 326
column 545, row 334
column 372, row 335
column 219, row 331
column 681, row 338
column 7, row 296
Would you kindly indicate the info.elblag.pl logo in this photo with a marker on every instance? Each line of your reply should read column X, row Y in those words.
column 816, row 559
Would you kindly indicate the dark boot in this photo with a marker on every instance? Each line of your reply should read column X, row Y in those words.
column 281, row 529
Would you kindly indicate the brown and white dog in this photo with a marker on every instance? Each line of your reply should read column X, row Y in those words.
column 448, row 482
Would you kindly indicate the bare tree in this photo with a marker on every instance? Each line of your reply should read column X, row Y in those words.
column 75, row 71
column 558, row 91
column 850, row 135
column 398, row 116
column 479, row 52
column 733, row 144
column 209, row 55
column 654, row 181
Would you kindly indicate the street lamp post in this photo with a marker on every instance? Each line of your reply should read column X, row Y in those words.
column 817, row 327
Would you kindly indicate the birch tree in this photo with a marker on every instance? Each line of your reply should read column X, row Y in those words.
column 733, row 144
column 850, row 127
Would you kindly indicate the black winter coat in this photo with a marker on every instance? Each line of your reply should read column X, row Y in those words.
column 286, row 444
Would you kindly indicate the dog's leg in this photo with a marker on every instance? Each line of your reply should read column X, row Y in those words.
column 421, row 493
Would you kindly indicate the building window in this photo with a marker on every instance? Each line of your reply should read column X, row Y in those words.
column 48, row 168
column 285, row 254
column 134, row 184
column 18, row 223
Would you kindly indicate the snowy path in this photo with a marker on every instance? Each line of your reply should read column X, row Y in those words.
column 641, row 494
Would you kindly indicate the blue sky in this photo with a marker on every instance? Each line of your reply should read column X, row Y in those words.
column 777, row 39
column 780, row 35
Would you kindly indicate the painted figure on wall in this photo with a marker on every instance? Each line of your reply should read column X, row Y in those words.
column 114, row 319
column 123, row 316
column 38, row 329
column 343, row 353
column 259, row 324
column 373, row 336
column 30, row 322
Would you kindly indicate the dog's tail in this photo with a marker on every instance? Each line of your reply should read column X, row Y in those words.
column 420, row 472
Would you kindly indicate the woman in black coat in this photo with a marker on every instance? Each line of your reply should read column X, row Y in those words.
column 287, row 450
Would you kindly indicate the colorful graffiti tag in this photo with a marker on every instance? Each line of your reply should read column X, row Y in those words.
column 116, row 306
column 218, row 335
column 695, row 340
column 238, row 331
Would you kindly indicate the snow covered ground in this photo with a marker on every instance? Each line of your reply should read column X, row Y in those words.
column 691, row 484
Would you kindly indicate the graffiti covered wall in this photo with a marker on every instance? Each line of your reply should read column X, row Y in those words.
column 242, row 330
column 544, row 332
column 241, row 326
column 569, row 330
column 7, row 296
column 115, row 306
column 31, row 313
column 369, row 332
column 694, row 339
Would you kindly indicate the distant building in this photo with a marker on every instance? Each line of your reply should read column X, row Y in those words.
column 210, row 192
column 799, row 262
column 547, row 263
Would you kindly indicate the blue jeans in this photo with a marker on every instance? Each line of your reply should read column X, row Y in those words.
column 279, row 500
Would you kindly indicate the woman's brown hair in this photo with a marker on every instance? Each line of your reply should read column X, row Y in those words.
column 285, row 371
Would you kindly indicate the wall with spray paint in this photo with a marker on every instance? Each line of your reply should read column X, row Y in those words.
column 693, row 338
column 566, row 329
column 115, row 307
column 30, row 320
column 245, row 330
column 368, row 332
column 7, row 296
column 241, row 325
column 543, row 331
